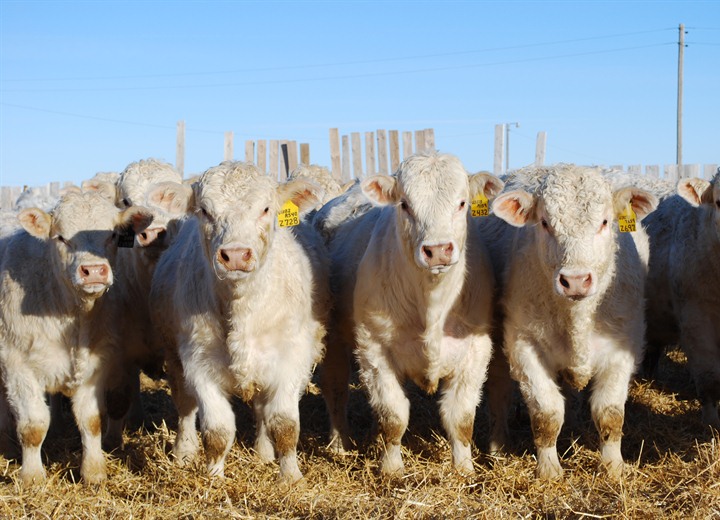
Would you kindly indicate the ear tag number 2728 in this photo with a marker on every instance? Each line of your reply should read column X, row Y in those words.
column 289, row 215
column 626, row 220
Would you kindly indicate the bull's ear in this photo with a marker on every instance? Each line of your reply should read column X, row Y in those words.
column 485, row 183
column 303, row 192
column 36, row 222
column 695, row 191
column 171, row 197
column 69, row 189
column 642, row 201
column 382, row 190
column 514, row 207
column 136, row 217
column 107, row 189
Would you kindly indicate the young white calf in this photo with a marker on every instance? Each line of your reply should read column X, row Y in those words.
column 158, row 187
column 238, row 300
column 53, row 324
column 413, row 295
column 572, row 298
column 683, row 289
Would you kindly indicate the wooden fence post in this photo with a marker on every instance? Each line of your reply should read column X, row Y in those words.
column 369, row 153
column 634, row 169
column 356, row 157
column 262, row 155
column 419, row 141
column 429, row 139
column 180, row 148
column 709, row 171
column 250, row 151
column 540, row 146
column 6, row 198
column 346, row 172
column 305, row 153
column 407, row 144
column 273, row 170
column 382, row 152
column 228, row 152
column 653, row 171
column 335, row 153
column 690, row 170
column 292, row 156
column 394, row 151
column 499, row 150
column 671, row 173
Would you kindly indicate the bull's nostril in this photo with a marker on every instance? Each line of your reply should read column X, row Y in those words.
column 144, row 236
column 587, row 281
column 247, row 255
column 564, row 282
column 224, row 256
column 428, row 252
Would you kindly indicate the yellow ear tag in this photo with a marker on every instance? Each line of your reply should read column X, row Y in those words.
column 626, row 220
column 480, row 206
column 289, row 215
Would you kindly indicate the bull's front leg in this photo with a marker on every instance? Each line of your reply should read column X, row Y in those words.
column 607, row 405
column 281, row 425
column 461, row 395
column 87, row 404
column 217, row 420
column 388, row 401
column 186, row 444
column 26, row 400
column 543, row 399
column 335, row 381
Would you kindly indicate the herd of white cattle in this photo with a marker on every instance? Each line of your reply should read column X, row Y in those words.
column 232, row 284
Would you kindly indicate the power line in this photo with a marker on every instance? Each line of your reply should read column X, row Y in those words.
column 340, row 77
column 137, row 123
column 337, row 64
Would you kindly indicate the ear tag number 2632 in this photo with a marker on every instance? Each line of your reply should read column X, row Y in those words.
column 480, row 206
column 626, row 220
column 289, row 215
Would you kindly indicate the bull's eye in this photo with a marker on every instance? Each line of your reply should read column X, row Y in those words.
column 544, row 223
column 266, row 209
column 462, row 204
column 61, row 239
column 126, row 202
column 404, row 205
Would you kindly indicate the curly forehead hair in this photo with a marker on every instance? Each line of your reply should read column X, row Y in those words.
column 232, row 180
column 575, row 196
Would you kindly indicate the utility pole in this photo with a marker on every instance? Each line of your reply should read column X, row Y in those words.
column 507, row 144
column 681, row 54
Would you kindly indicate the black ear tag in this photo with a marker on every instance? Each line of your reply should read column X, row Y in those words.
column 126, row 238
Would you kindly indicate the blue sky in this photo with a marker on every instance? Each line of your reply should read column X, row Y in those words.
column 92, row 86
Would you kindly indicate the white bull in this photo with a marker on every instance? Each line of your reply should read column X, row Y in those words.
column 249, row 321
column 413, row 297
column 572, row 298
column 53, row 321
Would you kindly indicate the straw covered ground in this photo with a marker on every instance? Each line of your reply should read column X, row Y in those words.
column 673, row 468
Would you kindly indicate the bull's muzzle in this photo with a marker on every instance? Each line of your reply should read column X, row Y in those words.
column 237, row 259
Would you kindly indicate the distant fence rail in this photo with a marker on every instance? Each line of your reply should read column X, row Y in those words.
column 357, row 154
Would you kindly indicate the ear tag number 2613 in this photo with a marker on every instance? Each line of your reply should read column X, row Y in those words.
column 289, row 215
column 626, row 220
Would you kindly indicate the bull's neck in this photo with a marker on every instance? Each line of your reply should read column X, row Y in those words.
column 435, row 294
